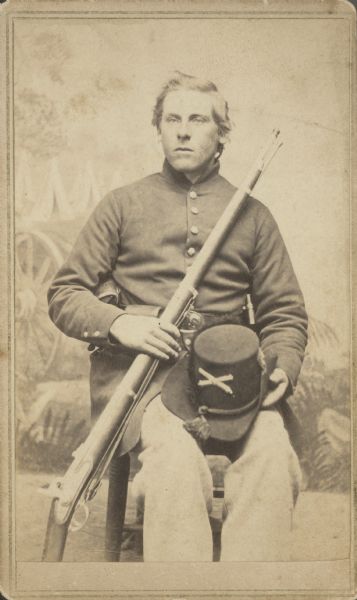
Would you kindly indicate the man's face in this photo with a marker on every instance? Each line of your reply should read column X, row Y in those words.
column 189, row 135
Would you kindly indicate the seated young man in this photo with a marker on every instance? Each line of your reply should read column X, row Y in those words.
column 145, row 236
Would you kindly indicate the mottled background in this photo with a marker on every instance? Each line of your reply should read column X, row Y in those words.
column 84, row 92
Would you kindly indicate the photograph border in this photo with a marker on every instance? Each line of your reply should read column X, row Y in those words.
column 16, row 578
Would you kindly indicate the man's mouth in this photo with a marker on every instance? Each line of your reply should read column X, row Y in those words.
column 183, row 149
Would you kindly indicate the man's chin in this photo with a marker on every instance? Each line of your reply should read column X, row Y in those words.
column 183, row 164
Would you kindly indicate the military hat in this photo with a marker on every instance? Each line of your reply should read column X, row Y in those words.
column 218, row 387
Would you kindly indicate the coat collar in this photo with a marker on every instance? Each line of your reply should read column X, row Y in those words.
column 173, row 176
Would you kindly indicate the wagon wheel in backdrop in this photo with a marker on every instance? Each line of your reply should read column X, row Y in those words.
column 37, row 259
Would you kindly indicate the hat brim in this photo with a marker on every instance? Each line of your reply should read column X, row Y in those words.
column 177, row 391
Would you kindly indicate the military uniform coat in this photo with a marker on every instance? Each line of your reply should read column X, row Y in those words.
column 146, row 235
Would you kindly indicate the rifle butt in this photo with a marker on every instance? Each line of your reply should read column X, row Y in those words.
column 55, row 539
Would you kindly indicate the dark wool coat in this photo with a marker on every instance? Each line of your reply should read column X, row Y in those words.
column 146, row 235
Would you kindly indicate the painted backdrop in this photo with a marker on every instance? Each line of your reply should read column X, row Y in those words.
column 84, row 92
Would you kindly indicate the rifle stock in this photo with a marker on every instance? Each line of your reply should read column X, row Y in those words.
column 93, row 457
column 56, row 536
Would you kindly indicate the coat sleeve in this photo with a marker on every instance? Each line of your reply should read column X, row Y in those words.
column 73, row 306
column 280, row 311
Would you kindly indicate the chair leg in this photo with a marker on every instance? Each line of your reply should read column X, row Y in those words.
column 216, row 526
column 119, row 470
column 216, row 546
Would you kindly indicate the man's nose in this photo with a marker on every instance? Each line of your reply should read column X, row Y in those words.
column 183, row 131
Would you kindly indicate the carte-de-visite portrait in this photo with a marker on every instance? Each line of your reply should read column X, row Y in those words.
column 179, row 222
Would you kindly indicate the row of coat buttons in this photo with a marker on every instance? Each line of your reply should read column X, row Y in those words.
column 95, row 334
column 191, row 251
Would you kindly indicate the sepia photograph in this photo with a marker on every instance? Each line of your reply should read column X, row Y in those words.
column 177, row 314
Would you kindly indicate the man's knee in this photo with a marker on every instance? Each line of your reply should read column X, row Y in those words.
column 268, row 455
column 171, row 455
column 171, row 464
column 269, row 438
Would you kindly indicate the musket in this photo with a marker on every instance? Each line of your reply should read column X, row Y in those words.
column 80, row 483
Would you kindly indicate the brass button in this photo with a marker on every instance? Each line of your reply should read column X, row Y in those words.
column 194, row 229
column 96, row 334
column 194, row 210
column 85, row 334
column 191, row 251
column 192, row 194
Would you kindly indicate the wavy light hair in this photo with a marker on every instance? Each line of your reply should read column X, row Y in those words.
column 182, row 81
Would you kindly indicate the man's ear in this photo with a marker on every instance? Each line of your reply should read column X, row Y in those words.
column 223, row 139
column 220, row 146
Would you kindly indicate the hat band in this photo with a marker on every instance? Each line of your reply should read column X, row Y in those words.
column 203, row 409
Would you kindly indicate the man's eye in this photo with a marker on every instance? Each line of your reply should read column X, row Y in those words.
column 172, row 119
column 198, row 119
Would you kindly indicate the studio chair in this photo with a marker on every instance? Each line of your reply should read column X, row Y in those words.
column 119, row 472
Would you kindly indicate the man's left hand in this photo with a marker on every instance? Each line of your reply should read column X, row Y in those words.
column 279, row 382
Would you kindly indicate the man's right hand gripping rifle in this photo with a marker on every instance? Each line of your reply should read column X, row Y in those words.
column 148, row 335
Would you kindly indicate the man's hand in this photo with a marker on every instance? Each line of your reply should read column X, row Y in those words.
column 279, row 381
column 148, row 335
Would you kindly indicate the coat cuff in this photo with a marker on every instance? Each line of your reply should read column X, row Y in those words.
column 291, row 364
column 97, row 330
